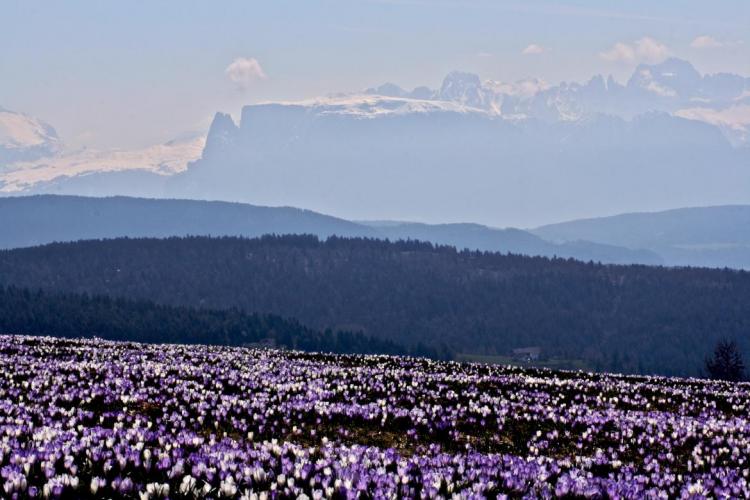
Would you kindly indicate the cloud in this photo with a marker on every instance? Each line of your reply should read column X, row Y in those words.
column 244, row 71
column 644, row 50
column 532, row 49
column 706, row 42
column 651, row 50
column 709, row 42
column 619, row 52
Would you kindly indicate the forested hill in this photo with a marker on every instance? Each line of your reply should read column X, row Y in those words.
column 74, row 315
column 619, row 318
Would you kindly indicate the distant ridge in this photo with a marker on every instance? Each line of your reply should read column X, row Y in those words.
column 36, row 220
column 717, row 236
column 479, row 237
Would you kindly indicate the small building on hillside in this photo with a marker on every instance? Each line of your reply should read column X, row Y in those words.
column 527, row 354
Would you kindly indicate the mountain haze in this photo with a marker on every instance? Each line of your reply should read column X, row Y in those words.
column 371, row 157
column 517, row 241
column 35, row 220
column 699, row 236
column 497, row 153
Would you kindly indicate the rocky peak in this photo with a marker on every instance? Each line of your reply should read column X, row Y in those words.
column 671, row 78
column 387, row 89
column 221, row 134
column 464, row 88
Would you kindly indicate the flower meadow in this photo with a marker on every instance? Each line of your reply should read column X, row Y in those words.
column 91, row 419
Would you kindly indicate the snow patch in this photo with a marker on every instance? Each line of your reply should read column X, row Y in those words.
column 163, row 159
column 734, row 120
column 373, row 106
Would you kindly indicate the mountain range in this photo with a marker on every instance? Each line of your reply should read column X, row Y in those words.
column 699, row 236
column 493, row 152
column 36, row 220
column 672, row 86
column 703, row 236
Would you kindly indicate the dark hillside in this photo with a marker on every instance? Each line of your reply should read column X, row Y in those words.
column 619, row 318
column 71, row 315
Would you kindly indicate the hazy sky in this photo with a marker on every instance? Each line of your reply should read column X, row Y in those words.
column 127, row 74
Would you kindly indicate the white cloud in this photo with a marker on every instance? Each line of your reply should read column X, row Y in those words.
column 644, row 50
column 651, row 50
column 244, row 71
column 532, row 49
column 706, row 42
column 709, row 42
column 619, row 52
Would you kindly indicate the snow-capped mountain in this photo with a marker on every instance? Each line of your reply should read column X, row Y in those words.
column 33, row 159
column 673, row 86
column 499, row 152
column 162, row 159
column 466, row 89
column 23, row 138
column 489, row 151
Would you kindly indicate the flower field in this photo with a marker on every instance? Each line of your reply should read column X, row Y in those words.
column 90, row 419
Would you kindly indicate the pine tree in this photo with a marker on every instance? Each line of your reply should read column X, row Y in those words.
column 727, row 362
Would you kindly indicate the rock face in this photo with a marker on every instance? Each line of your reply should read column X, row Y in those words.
column 503, row 154
column 466, row 89
column 221, row 135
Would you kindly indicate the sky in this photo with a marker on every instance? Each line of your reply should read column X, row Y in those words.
column 130, row 74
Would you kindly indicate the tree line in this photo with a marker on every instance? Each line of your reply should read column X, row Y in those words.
column 24, row 311
column 636, row 319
